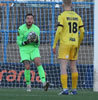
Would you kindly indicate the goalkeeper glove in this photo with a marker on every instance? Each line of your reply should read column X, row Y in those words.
column 25, row 43
column 32, row 37
column 36, row 40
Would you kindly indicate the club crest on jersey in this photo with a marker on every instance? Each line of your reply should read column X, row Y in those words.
column 67, row 56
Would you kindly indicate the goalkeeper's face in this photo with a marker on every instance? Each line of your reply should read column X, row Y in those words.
column 29, row 20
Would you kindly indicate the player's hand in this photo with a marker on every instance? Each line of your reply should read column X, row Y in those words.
column 25, row 42
column 54, row 50
column 35, row 40
column 32, row 37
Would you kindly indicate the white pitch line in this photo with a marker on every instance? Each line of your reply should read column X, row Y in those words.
column 29, row 95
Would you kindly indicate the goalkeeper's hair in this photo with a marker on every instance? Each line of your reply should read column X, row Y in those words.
column 29, row 14
column 67, row 2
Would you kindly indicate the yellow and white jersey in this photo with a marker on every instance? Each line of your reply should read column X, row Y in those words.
column 71, row 23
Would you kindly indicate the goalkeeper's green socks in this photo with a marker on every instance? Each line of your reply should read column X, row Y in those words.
column 74, row 80
column 41, row 73
column 27, row 76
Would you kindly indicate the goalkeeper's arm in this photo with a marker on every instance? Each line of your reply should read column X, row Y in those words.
column 20, row 41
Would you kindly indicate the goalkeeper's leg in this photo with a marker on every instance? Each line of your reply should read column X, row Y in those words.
column 74, row 76
column 41, row 73
column 27, row 74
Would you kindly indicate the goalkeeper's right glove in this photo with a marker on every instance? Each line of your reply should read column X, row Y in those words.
column 25, row 43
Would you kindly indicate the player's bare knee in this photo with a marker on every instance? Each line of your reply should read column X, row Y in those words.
column 37, row 61
column 73, row 69
column 27, row 67
column 27, row 64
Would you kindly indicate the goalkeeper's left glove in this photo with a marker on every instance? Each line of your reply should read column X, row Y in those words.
column 25, row 43
column 32, row 37
column 35, row 40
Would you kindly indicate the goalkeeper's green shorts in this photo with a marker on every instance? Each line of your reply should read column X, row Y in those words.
column 30, row 54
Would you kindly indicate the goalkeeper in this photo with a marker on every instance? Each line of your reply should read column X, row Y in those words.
column 28, row 42
column 69, row 25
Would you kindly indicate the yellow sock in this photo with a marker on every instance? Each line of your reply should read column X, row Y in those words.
column 64, row 81
column 74, row 80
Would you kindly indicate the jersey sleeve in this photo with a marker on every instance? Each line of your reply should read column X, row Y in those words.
column 80, row 23
column 19, row 37
column 38, row 31
column 60, row 21
column 59, row 30
column 81, row 28
column 38, row 34
column 38, row 37
column 57, row 36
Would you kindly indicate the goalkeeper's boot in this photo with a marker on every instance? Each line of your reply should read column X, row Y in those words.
column 46, row 86
column 64, row 92
column 29, row 88
column 73, row 92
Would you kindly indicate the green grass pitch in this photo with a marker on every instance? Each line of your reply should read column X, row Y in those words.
column 39, row 94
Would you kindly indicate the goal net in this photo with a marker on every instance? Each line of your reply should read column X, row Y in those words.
column 12, row 15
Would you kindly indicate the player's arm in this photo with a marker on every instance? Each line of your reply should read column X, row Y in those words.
column 20, row 41
column 81, row 37
column 38, row 40
column 19, row 38
column 59, row 30
column 81, row 28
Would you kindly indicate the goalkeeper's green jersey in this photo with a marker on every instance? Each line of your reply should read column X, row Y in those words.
column 23, row 32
